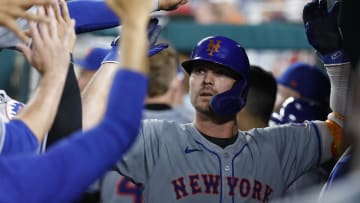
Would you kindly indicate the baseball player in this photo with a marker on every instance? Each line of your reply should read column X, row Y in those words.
column 298, row 110
column 256, row 113
column 209, row 160
column 301, row 80
column 81, row 159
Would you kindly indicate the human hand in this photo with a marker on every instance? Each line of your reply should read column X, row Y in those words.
column 63, row 21
column 11, row 10
column 153, row 31
column 134, row 10
column 49, row 52
column 322, row 31
column 321, row 26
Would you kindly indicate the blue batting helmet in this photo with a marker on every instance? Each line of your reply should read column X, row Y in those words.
column 310, row 81
column 229, row 54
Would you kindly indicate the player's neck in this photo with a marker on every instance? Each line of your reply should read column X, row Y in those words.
column 161, row 99
column 214, row 127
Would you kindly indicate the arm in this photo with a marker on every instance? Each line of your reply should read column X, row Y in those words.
column 92, row 106
column 68, row 118
column 69, row 114
column 87, row 20
column 323, row 34
column 51, row 57
column 82, row 159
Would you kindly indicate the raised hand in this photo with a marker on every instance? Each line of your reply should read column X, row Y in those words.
column 11, row 10
column 63, row 22
column 323, row 32
column 49, row 52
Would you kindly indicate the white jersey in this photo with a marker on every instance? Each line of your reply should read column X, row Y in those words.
column 9, row 108
column 175, row 163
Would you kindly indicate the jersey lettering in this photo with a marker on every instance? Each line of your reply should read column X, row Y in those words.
column 209, row 184
column 180, row 188
column 128, row 188
column 212, row 183
column 195, row 188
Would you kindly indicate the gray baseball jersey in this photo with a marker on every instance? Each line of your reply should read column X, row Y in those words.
column 116, row 188
column 175, row 163
column 172, row 114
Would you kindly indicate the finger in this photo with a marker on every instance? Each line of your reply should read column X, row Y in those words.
column 13, row 26
column 310, row 11
column 53, row 23
column 25, row 50
column 43, row 28
column 69, row 30
column 29, row 3
column 33, row 17
column 57, row 11
column 35, row 35
column 65, row 10
column 27, row 33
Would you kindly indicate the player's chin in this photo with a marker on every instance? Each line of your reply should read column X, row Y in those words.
column 203, row 107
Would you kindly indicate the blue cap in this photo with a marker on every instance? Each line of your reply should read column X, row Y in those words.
column 310, row 81
column 93, row 59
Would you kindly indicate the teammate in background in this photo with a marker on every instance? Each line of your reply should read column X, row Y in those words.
column 298, row 110
column 210, row 160
column 260, row 100
column 89, row 65
column 301, row 80
column 81, row 159
column 158, row 105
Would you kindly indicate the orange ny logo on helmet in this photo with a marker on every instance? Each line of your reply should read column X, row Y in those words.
column 212, row 47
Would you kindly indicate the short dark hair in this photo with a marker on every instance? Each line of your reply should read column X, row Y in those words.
column 262, row 93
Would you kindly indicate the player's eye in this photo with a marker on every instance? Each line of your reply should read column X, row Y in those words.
column 198, row 70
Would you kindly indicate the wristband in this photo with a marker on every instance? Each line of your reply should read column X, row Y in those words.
column 335, row 58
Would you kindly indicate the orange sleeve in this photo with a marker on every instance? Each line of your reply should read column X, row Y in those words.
column 337, row 147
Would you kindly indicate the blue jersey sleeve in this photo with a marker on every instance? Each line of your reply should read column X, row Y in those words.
column 70, row 166
column 92, row 15
column 18, row 138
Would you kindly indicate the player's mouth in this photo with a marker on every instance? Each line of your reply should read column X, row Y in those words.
column 206, row 94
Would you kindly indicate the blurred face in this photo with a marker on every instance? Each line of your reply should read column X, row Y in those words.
column 283, row 93
column 207, row 80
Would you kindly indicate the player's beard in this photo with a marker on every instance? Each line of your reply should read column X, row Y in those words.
column 202, row 105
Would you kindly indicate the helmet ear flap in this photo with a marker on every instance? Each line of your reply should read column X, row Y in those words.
column 232, row 101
